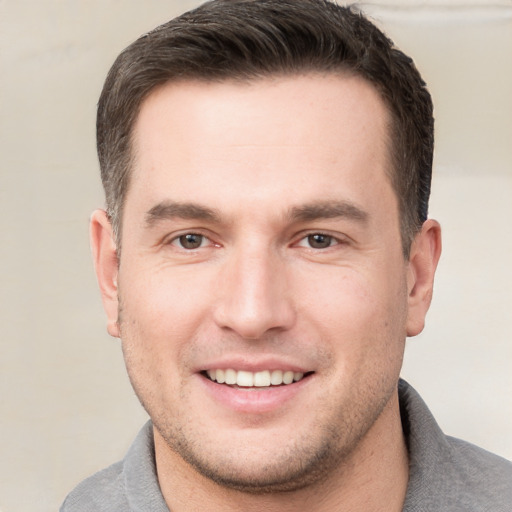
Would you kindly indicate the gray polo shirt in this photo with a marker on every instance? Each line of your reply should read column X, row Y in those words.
column 446, row 474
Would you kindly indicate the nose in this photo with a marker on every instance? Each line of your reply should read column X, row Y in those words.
column 254, row 295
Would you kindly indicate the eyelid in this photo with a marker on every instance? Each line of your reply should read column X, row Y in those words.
column 173, row 239
column 338, row 238
column 176, row 241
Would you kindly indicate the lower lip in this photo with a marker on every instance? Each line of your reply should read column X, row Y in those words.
column 253, row 400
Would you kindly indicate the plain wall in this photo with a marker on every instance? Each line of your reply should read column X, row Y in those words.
column 66, row 407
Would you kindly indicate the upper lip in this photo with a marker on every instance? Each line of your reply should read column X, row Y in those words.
column 254, row 364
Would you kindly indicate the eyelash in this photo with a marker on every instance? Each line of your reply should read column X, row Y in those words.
column 180, row 239
column 333, row 241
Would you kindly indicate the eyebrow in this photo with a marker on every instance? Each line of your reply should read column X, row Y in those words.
column 168, row 210
column 328, row 210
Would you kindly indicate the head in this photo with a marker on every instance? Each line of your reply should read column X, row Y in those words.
column 266, row 179
column 215, row 42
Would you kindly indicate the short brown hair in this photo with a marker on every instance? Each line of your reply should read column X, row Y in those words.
column 248, row 39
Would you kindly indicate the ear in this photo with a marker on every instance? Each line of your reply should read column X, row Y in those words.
column 106, row 266
column 425, row 253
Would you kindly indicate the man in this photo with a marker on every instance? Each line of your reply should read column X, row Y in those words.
column 264, row 255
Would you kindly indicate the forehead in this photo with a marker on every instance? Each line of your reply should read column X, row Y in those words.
column 298, row 133
column 313, row 95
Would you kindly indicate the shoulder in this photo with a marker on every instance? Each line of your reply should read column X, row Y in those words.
column 486, row 477
column 103, row 491
column 447, row 473
column 131, row 484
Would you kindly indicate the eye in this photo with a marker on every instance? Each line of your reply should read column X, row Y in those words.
column 190, row 241
column 318, row 241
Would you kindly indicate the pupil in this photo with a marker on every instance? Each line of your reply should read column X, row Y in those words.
column 191, row 241
column 319, row 241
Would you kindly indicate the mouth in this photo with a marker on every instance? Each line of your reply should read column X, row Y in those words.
column 260, row 379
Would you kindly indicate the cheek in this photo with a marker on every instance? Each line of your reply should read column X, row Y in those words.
column 363, row 315
column 156, row 322
column 346, row 296
column 164, row 302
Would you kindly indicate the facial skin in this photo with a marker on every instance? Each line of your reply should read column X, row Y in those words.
column 293, row 262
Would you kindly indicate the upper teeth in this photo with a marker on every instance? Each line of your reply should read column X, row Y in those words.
column 256, row 379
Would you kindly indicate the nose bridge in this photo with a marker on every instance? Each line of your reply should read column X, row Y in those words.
column 254, row 296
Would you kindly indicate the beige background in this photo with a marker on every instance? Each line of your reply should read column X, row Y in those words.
column 66, row 407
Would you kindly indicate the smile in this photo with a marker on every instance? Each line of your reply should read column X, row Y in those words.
column 265, row 378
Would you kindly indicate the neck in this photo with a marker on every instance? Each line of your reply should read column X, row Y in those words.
column 372, row 479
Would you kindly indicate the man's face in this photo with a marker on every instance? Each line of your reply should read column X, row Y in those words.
column 261, row 243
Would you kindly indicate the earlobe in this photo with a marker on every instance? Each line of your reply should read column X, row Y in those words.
column 425, row 253
column 106, row 266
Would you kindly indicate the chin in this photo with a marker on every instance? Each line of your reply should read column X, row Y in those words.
column 301, row 463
